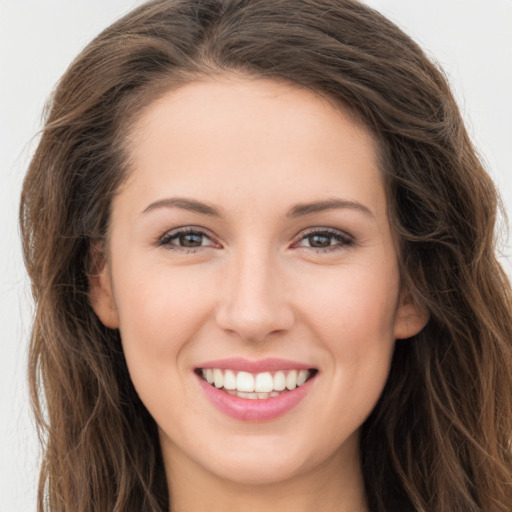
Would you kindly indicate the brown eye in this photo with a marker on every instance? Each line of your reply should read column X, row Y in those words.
column 320, row 241
column 325, row 240
column 190, row 240
column 183, row 239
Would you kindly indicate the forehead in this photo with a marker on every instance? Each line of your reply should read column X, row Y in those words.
column 250, row 139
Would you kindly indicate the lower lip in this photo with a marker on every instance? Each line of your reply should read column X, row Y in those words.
column 260, row 409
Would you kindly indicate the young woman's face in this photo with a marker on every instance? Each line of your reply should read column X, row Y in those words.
column 252, row 239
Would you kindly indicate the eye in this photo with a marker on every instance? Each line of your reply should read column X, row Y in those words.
column 325, row 240
column 186, row 239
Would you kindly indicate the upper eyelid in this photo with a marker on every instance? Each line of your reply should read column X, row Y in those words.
column 297, row 238
column 188, row 229
column 175, row 232
column 321, row 230
column 303, row 232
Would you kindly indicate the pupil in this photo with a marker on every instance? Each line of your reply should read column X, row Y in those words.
column 320, row 241
column 190, row 240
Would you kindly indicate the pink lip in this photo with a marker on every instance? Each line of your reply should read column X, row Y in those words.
column 245, row 409
column 263, row 365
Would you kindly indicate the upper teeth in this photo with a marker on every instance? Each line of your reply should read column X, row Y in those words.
column 260, row 382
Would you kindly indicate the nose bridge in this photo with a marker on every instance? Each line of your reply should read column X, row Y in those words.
column 254, row 302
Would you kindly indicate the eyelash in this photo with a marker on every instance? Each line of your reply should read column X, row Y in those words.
column 167, row 239
column 343, row 240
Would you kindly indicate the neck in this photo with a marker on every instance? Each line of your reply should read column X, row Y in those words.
column 336, row 484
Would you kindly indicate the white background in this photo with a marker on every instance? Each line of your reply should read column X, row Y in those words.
column 471, row 39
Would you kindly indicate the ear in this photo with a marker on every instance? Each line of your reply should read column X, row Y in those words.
column 101, row 295
column 411, row 318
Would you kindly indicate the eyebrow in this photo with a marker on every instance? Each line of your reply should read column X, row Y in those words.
column 329, row 204
column 298, row 210
column 185, row 204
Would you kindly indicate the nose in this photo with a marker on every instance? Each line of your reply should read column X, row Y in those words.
column 254, row 301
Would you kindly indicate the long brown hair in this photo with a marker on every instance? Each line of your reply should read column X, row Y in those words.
column 439, row 440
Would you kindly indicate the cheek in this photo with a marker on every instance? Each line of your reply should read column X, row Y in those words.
column 357, row 304
column 353, row 317
column 160, row 312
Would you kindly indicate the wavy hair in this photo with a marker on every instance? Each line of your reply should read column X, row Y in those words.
column 439, row 439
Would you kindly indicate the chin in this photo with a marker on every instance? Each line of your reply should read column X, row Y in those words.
column 263, row 465
column 251, row 472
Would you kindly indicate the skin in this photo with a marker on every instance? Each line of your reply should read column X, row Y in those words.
column 256, row 285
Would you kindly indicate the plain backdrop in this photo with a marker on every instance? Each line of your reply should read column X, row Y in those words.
column 470, row 39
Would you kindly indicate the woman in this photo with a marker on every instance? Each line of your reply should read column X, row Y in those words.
column 262, row 251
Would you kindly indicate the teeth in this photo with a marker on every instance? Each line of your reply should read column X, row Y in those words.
column 279, row 381
column 218, row 378
column 245, row 382
column 291, row 380
column 250, row 396
column 229, row 380
column 264, row 383
column 261, row 385
column 302, row 377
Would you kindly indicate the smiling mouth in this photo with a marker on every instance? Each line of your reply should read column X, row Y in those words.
column 255, row 385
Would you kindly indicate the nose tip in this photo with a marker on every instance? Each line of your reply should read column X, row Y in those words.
column 255, row 324
column 254, row 304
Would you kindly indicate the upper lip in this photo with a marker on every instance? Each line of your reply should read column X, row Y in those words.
column 261, row 365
